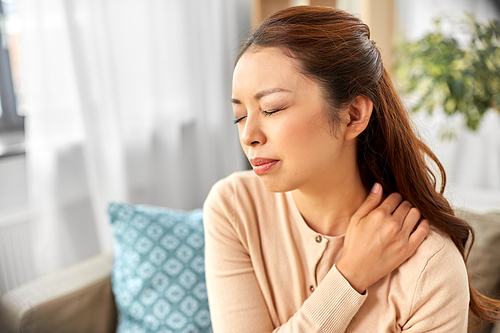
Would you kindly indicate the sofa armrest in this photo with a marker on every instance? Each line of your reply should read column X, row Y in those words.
column 78, row 298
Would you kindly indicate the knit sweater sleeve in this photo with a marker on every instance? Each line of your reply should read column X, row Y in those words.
column 235, row 298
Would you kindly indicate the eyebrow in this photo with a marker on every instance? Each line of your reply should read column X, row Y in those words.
column 262, row 93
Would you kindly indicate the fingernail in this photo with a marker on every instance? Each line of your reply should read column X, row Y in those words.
column 376, row 188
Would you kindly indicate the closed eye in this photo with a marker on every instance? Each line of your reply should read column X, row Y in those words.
column 237, row 120
column 270, row 112
column 266, row 113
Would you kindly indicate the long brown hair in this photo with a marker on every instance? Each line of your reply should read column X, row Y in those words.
column 334, row 49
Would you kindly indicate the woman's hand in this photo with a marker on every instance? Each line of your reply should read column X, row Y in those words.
column 379, row 239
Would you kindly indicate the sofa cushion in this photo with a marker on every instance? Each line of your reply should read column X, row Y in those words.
column 483, row 264
column 158, row 273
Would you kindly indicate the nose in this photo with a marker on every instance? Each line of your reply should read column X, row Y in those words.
column 252, row 133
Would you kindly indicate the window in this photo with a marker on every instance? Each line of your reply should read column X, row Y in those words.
column 11, row 122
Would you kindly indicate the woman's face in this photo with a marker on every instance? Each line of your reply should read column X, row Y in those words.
column 283, row 127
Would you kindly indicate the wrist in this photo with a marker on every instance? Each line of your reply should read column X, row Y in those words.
column 355, row 280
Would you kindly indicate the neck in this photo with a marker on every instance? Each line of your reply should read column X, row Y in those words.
column 328, row 208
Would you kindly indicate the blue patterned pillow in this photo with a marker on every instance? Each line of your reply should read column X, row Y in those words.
column 158, row 271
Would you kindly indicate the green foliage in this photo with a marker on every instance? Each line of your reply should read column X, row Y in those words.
column 458, row 77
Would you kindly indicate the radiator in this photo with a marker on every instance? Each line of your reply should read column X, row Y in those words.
column 16, row 250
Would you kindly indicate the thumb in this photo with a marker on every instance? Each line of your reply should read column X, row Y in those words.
column 371, row 202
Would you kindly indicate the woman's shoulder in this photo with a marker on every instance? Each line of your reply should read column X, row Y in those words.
column 238, row 186
column 235, row 180
column 240, row 194
column 436, row 251
column 427, row 291
column 437, row 261
column 434, row 279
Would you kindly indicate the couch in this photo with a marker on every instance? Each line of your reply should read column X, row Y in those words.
column 80, row 298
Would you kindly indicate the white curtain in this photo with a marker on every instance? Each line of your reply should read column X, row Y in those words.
column 126, row 101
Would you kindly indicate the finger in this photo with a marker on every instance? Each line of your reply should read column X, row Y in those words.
column 371, row 202
column 402, row 210
column 391, row 202
column 411, row 220
column 417, row 237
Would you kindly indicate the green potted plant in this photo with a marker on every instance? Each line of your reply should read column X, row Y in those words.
column 459, row 74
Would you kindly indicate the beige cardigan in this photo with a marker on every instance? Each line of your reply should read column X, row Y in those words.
column 268, row 271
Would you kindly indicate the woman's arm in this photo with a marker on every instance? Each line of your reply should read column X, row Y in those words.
column 236, row 301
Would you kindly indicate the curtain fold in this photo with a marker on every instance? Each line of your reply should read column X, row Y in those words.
column 126, row 101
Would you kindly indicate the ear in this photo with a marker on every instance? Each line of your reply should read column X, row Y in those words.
column 360, row 112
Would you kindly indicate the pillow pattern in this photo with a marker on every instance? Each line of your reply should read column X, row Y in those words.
column 158, row 273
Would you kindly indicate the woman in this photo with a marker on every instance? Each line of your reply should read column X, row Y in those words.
column 294, row 246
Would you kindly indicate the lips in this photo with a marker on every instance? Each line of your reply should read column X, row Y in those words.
column 262, row 165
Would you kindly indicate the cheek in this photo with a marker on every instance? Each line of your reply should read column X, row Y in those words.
column 313, row 144
column 301, row 134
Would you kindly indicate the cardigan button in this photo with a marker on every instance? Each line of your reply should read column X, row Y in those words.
column 311, row 288
column 319, row 239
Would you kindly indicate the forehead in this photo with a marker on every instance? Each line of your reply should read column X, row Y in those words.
column 260, row 68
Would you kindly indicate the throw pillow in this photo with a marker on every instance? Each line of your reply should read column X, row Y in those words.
column 158, row 273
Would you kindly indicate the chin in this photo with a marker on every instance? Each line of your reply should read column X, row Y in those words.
column 272, row 184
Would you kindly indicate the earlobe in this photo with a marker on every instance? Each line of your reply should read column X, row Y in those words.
column 360, row 112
